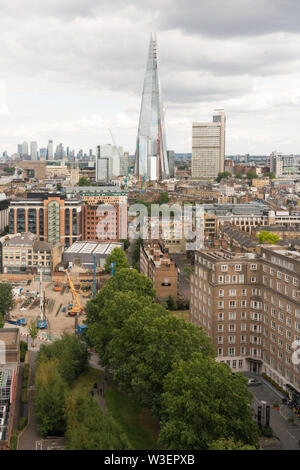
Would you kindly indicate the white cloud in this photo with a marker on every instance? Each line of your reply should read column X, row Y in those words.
column 73, row 68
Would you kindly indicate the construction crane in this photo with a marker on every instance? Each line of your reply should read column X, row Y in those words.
column 74, row 310
column 41, row 321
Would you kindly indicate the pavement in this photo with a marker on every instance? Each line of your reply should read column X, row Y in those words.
column 27, row 440
column 288, row 433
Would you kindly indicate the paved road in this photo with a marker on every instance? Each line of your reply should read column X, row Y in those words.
column 184, row 279
column 288, row 433
column 29, row 437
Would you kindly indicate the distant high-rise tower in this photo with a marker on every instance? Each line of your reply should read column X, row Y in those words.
column 151, row 151
column 208, row 157
column 34, row 150
column 50, row 152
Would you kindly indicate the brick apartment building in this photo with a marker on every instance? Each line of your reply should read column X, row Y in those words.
column 250, row 305
column 162, row 271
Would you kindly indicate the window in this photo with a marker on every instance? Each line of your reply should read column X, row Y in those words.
column 224, row 268
column 221, row 304
column 232, row 304
column 232, row 315
column 232, row 292
column 238, row 267
column 221, row 293
column 243, row 315
column 221, row 316
column 231, row 351
column 253, row 267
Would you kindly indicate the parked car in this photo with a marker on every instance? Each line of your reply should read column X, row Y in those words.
column 253, row 382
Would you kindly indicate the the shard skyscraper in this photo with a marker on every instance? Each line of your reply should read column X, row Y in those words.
column 151, row 150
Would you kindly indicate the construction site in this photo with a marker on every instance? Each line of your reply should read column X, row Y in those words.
column 55, row 307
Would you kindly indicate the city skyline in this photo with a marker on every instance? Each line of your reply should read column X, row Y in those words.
column 246, row 63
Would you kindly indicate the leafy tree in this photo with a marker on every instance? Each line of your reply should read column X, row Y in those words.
column 83, row 181
column 136, row 251
column 163, row 198
column 6, row 299
column 9, row 170
column 71, row 355
column 239, row 175
column 33, row 331
column 229, row 444
column 203, row 402
column 171, row 303
column 143, row 351
column 223, row 175
column 115, row 309
column 270, row 174
column 265, row 236
column 49, row 398
column 250, row 175
column 2, row 322
column 89, row 429
column 126, row 243
column 117, row 256
column 58, row 186
column 125, row 280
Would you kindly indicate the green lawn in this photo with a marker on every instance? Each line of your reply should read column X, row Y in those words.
column 185, row 314
column 85, row 382
column 140, row 427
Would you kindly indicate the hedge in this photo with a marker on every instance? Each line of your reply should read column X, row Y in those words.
column 275, row 385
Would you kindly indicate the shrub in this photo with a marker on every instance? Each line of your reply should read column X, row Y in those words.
column 23, row 350
column 267, row 431
column 22, row 423
column 24, row 395
column 274, row 384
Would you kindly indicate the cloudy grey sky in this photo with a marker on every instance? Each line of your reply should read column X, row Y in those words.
column 71, row 69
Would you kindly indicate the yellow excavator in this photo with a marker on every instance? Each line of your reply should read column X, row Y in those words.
column 74, row 310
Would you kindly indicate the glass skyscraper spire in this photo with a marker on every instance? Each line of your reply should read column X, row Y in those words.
column 151, row 150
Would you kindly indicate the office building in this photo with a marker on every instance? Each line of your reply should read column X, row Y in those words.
column 52, row 217
column 50, row 153
column 284, row 165
column 34, row 150
column 171, row 161
column 208, row 153
column 24, row 149
column 151, row 150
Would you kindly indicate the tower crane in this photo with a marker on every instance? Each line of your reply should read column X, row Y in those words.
column 75, row 309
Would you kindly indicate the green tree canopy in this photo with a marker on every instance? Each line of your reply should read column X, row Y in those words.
column 163, row 198
column 109, row 318
column 229, row 444
column 171, row 303
column 117, row 256
column 143, row 351
column 222, row 175
column 49, row 398
column 239, row 175
column 6, row 299
column 83, row 181
column 125, row 280
column 265, row 236
column 270, row 174
column 71, row 355
column 203, row 402
column 2, row 322
column 126, row 243
column 250, row 175
column 89, row 429
column 33, row 330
